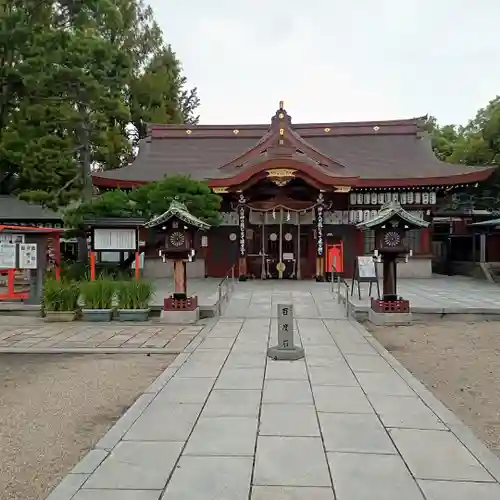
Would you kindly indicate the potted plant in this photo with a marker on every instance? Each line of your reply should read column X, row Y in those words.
column 133, row 300
column 60, row 300
column 97, row 299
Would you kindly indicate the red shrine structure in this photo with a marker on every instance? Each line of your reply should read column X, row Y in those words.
column 292, row 194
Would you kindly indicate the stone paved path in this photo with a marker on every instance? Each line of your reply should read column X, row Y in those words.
column 441, row 294
column 224, row 422
column 19, row 334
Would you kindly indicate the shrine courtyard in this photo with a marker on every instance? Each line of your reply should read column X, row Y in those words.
column 346, row 422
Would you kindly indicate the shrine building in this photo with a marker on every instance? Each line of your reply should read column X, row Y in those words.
column 293, row 193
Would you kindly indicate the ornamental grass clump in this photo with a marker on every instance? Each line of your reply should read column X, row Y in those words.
column 98, row 294
column 134, row 294
column 60, row 296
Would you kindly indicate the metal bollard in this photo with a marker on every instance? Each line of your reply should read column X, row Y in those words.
column 285, row 350
column 219, row 304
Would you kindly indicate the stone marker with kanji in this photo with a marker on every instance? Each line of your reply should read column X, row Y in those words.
column 285, row 350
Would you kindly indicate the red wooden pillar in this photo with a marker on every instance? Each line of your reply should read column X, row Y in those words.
column 57, row 251
column 137, row 261
column 11, row 280
column 92, row 266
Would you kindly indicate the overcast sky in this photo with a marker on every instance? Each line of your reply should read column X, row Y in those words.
column 334, row 60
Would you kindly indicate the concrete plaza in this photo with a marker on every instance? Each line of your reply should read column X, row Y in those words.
column 437, row 295
column 224, row 422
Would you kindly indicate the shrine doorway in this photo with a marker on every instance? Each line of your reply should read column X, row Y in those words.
column 280, row 247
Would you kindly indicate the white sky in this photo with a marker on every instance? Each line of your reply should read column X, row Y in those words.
column 334, row 60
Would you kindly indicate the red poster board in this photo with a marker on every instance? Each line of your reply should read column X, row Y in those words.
column 335, row 256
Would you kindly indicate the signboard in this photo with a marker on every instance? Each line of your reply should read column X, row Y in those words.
column 115, row 239
column 365, row 271
column 6, row 237
column 7, row 256
column 366, row 268
column 28, row 256
column 285, row 326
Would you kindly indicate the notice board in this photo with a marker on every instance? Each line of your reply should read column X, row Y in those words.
column 365, row 271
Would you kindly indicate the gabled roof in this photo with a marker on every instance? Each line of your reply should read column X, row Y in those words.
column 389, row 211
column 14, row 209
column 179, row 210
column 394, row 153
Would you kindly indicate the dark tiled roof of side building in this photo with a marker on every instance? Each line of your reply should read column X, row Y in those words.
column 13, row 208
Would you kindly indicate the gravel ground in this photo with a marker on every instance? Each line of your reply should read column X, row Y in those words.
column 459, row 362
column 54, row 408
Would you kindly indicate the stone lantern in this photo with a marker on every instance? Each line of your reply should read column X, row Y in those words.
column 391, row 225
column 179, row 227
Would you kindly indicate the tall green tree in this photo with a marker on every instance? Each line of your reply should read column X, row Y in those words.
column 476, row 144
column 72, row 79
column 23, row 25
column 158, row 94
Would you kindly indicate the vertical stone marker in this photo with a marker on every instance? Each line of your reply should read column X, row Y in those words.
column 285, row 350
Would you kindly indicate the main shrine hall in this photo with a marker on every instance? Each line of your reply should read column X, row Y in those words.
column 292, row 194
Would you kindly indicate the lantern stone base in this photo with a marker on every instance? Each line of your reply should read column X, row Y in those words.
column 180, row 317
column 287, row 354
column 390, row 312
column 395, row 305
column 381, row 319
column 180, row 311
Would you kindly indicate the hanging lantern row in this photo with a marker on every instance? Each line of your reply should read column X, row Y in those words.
column 404, row 197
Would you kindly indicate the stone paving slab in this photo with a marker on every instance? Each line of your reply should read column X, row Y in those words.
column 451, row 295
column 35, row 336
column 227, row 422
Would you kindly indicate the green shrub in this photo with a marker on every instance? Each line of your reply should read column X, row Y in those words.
column 60, row 295
column 78, row 271
column 134, row 294
column 98, row 294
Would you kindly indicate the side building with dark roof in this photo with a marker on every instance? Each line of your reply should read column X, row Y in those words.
column 293, row 193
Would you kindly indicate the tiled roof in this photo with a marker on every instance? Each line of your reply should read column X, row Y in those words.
column 12, row 209
column 394, row 149
column 179, row 210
